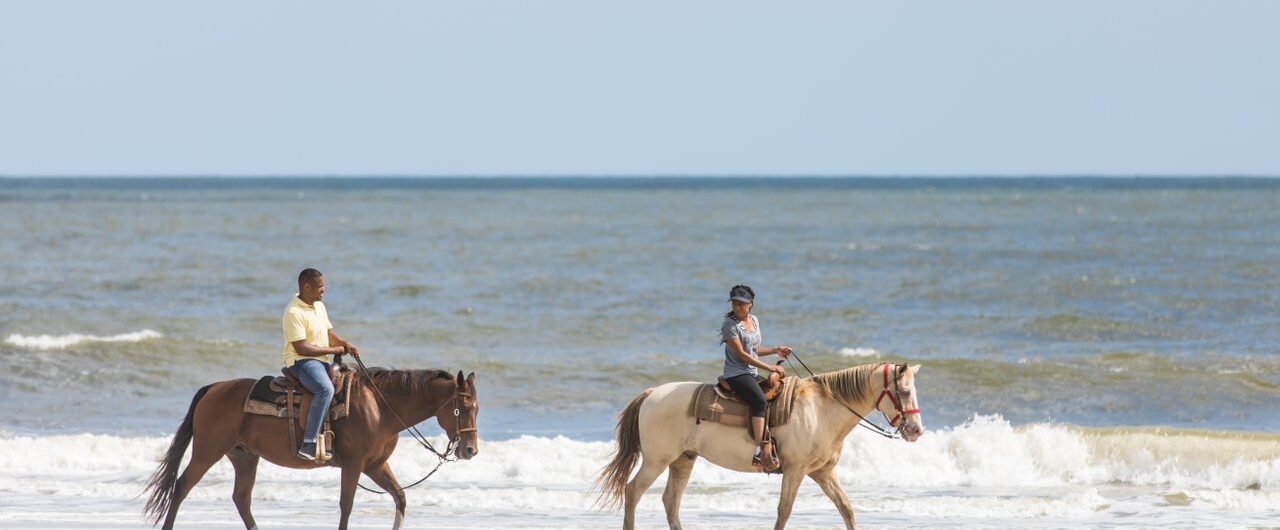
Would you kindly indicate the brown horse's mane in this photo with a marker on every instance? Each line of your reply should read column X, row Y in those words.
column 850, row 384
column 405, row 381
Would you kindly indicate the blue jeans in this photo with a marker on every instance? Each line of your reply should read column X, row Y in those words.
column 314, row 374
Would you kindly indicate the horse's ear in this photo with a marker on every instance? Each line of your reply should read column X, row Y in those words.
column 471, row 378
column 914, row 369
column 461, row 381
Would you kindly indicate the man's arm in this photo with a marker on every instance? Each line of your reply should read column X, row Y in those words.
column 342, row 343
column 309, row 350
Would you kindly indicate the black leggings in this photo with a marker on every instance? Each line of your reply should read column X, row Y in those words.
column 747, row 388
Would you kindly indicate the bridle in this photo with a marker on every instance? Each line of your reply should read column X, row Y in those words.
column 895, row 397
column 458, row 429
column 441, row 456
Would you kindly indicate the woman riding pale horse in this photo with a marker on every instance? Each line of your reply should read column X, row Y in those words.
column 657, row 430
column 741, row 336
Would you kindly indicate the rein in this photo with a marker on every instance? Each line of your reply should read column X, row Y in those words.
column 441, row 456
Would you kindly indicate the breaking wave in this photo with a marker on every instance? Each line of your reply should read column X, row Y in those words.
column 61, row 342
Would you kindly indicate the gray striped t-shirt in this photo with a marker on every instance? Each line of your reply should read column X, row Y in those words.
column 732, row 329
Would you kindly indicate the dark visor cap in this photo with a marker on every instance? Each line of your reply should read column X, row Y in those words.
column 741, row 295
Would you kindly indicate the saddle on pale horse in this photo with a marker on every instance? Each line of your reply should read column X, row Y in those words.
column 770, row 387
column 718, row 403
column 284, row 397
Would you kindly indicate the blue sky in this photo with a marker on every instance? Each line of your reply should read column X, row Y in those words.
column 666, row 88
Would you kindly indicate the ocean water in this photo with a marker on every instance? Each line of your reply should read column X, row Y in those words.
column 1096, row 352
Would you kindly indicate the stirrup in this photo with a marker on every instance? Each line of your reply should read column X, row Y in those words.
column 757, row 460
column 314, row 455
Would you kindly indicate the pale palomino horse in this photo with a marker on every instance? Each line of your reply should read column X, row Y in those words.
column 656, row 428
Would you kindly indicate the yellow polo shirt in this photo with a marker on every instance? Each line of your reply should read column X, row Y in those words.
column 305, row 322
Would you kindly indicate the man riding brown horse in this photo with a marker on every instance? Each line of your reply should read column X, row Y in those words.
column 379, row 403
column 308, row 334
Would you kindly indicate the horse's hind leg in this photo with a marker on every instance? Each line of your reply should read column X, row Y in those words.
column 196, row 468
column 210, row 443
column 246, row 466
column 677, row 478
column 649, row 471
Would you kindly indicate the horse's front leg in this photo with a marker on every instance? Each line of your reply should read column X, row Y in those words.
column 350, row 477
column 790, row 485
column 383, row 477
column 826, row 479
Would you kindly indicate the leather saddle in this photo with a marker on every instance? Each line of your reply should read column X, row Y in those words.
column 771, row 387
column 288, row 382
column 712, row 403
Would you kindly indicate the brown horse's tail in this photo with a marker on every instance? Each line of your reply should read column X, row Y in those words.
column 612, row 481
column 162, row 482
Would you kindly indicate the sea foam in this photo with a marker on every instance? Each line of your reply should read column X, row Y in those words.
column 985, row 452
column 59, row 342
column 859, row 352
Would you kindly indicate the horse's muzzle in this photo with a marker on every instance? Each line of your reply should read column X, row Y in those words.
column 467, row 452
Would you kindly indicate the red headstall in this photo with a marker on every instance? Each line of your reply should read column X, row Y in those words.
column 893, row 398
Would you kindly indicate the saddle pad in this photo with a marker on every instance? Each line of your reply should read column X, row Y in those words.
column 262, row 400
column 262, row 390
column 707, row 404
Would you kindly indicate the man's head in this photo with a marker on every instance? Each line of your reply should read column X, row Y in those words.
column 310, row 286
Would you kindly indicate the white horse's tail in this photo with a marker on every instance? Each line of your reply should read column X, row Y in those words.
column 612, row 481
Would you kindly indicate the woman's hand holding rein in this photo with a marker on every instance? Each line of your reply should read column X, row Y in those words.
column 782, row 351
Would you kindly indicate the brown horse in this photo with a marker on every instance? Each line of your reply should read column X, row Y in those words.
column 216, row 426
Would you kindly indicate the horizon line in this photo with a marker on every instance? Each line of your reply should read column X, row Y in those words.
column 666, row 176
